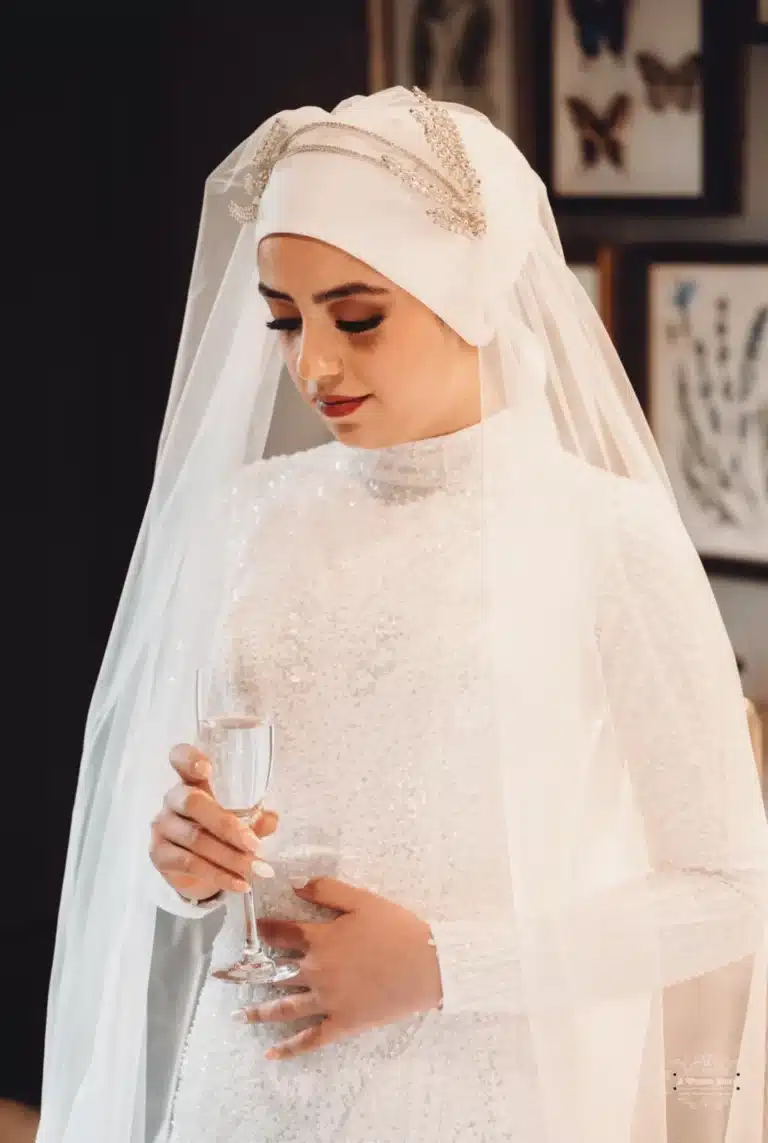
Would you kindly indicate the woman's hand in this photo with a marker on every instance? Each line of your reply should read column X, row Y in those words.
column 373, row 965
column 197, row 846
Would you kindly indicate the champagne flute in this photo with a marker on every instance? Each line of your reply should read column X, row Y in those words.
column 239, row 744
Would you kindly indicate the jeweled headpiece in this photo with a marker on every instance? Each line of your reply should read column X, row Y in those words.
column 452, row 188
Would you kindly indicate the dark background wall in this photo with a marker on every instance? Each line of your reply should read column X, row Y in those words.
column 117, row 114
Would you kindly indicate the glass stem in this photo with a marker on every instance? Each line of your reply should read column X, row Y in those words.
column 253, row 945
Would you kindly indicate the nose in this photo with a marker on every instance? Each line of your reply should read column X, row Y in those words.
column 317, row 360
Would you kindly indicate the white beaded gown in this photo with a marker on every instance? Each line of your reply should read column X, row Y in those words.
column 363, row 630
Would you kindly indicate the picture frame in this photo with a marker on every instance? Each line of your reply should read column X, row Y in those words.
column 652, row 122
column 758, row 29
column 594, row 264
column 693, row 335
column 467, row 55
column 741, row 604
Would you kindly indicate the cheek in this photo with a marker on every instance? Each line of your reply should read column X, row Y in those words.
column 289, row 351
column 408, row 366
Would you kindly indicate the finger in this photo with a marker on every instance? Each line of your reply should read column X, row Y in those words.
column 305, row 975
column 282, row 1010
column 190, row 764
column 308, row 1040
column 189, row 835
column 199, row 806
column 266, row 823
column 281, row 934
column 172, row 860
column 334, row 894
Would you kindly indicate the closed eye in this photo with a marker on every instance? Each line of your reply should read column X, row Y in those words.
column 360, row 326
column 291, row 324
column 284, row 323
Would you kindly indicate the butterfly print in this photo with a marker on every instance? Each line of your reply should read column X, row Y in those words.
column 451, row 45
column 600, row 135
column 671, row 85
column 600, row 22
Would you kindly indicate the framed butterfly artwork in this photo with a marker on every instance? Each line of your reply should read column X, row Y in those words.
column 693, row 334
column 639, row 105
column 595, row 266
column 758, row 32
column 462, row 51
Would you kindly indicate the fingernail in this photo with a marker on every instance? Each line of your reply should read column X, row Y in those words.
column 298, row 882
column 201, row 768
column 240, row 1015
column 251, row 842
column 261, row 868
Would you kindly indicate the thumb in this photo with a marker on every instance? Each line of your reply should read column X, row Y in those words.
column 192, row 766
column 333, row 894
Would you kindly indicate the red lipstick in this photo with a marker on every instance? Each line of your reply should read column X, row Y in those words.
column 340, row 407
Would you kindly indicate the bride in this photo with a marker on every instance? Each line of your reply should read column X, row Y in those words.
column 504, row 700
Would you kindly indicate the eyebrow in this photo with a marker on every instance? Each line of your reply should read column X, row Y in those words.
column 346, row 290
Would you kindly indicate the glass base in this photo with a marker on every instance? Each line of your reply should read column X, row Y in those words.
column 261, row 971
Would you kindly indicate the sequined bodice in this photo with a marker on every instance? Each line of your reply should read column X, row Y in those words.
column 366, row 652
column 362, row 632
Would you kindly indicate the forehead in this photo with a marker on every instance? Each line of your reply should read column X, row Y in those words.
column 296, row 264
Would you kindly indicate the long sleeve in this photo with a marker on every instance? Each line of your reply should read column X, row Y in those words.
column 679, row 721
column 166, row 898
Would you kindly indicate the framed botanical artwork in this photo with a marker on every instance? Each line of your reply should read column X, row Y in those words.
column 694, row 337
column 595, row 267
column 456, row 50
column 639, row 105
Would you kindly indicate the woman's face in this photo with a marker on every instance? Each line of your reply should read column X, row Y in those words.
column 346, row 331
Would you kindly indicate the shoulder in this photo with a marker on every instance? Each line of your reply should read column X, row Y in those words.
column 649, row 577
column 630, row 514
column 637, row 541
column 270, row 502
column 279, row 479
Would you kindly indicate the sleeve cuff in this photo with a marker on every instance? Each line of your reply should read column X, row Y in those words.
column 479, row 966
column 168, row 899
column 200, row 908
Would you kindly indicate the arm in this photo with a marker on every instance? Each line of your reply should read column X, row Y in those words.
column 678, row 716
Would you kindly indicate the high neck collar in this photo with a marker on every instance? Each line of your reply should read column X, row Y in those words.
column 451, row 462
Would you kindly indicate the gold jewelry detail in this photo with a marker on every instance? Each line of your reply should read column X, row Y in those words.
column 454, row 193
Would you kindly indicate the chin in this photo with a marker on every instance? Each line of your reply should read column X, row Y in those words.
column 360, row 431
column 357, row 436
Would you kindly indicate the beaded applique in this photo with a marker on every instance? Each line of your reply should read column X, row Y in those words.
column 453, row 190
column 256, row 179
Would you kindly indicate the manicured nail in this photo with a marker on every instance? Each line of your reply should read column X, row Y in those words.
column 201, row 768
column 240, row 1015
column 298, row 882
column 240, row 886
column 261, row 868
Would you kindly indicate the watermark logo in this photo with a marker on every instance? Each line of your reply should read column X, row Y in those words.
column 704, row 1081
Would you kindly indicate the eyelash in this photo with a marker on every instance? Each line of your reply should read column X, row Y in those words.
column 290, row 325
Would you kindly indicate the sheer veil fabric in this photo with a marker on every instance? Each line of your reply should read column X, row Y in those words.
column 641, row 924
